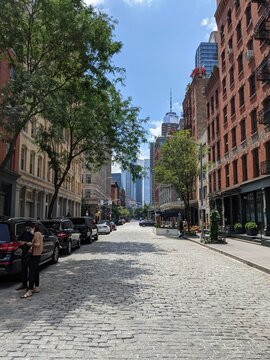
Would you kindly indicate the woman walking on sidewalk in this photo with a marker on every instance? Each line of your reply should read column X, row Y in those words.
column 35, row 248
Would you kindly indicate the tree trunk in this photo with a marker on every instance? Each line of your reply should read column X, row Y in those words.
column 54, row 198
column 9, row 154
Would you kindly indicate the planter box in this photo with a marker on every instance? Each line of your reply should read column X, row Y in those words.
column 239, row 231
column 252, row 232
column 166, row 231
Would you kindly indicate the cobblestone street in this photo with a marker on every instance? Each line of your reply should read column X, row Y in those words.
column 133, row 295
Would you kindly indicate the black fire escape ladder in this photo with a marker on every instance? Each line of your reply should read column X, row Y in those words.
column 262, row 72
column 262, row 28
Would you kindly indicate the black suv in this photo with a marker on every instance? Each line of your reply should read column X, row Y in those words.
column 10, row 252
column 68, row 236
column 87, row 227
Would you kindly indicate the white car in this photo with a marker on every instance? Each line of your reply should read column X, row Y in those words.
column 103, row 229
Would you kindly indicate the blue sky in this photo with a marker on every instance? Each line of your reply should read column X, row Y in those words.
column 160, row 38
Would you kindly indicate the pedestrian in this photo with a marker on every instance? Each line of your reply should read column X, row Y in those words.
column 35, row 248
column 181, row 229
column 25, row 237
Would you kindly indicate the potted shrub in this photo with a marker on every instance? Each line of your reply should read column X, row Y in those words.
column 251, row 228
column 238, row 228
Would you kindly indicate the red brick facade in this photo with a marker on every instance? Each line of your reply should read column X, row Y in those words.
column 238, row 113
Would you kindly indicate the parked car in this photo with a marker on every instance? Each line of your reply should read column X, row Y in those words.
column 63, row 228
column 107, row 222
column 119, row 222
column 10, row 252
column 87, row 228
column 146, row 223
column 103, row 228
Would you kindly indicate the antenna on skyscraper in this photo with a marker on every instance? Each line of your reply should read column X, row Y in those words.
column 170, row 99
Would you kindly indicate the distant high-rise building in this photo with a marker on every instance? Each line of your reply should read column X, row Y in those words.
column 170, row 121
column 207, row 54
column 146, row 183
column 118, row 178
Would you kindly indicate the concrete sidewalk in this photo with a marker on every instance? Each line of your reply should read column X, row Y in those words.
column 252, row 254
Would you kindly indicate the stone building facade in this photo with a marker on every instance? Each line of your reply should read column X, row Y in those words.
column 35, row 188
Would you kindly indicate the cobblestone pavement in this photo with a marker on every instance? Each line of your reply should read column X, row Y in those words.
column 133, row 295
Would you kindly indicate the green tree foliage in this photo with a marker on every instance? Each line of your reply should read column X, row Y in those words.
column 179, row 166
column 98, row 124
column 142, row 212
column 119, row 212
column 49, row 44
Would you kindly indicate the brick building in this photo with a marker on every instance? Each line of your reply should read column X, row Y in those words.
column 238, row 103
column 9, row 175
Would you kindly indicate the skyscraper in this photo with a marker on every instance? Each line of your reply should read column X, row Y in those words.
column 207, row 54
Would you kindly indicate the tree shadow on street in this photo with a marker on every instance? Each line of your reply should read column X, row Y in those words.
column 80, row 283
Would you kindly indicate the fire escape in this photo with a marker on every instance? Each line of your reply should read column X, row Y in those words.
column 264, row 114
column 262, row 28
column 263, row 70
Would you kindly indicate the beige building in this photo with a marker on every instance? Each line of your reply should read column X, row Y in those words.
column 97, row 191
column 35, row 188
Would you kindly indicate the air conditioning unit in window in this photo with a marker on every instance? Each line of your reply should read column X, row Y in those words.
column 230, row 52
column 249, row 55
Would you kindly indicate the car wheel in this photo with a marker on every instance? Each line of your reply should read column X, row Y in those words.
column 79, row 243
column 55, row 255
column 69, row 248
column 96, row 236
column 89, row 236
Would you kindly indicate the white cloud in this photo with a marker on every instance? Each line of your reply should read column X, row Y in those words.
column 209, row 23
column 94, row 2
column 155, row 129
column 138, row 2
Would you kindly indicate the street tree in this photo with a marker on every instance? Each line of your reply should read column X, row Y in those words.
column 99, row 124
column 179, row 166
column 49, row 44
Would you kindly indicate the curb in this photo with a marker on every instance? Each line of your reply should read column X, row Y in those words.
column 249, row 263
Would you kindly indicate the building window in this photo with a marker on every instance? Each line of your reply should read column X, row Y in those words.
column 222, row 33
column 233, row 137
column 226, row 144
column 216, row 96
column 23, row 158
column 241, row 96
column 253, row 118
column 217, row 125
column 208, row 111
column 88, row 179
column 223, row 59
column 243, row 129
column 212, row 104
column 224, row 86
column 229, row 18
column 256, row 167
column 238, row 32
column 227, row 174
column 248, row 15
column 39, row 167
column 214, row 182
column 244, row 168
column 252, row 85
column 208, row 133
column 237, row 4
column 219, row 179
column 231, row 76
column 225, row 115
column 218, row 150
column 250, row 44
column 240, row 63
column 213, row 130
column 213, row 153
column 32, row 163
column 233, row 106
column 33, row 127
column 235, row 172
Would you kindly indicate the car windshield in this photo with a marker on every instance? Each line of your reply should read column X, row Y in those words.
column 54, row 225
column 4, row 233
